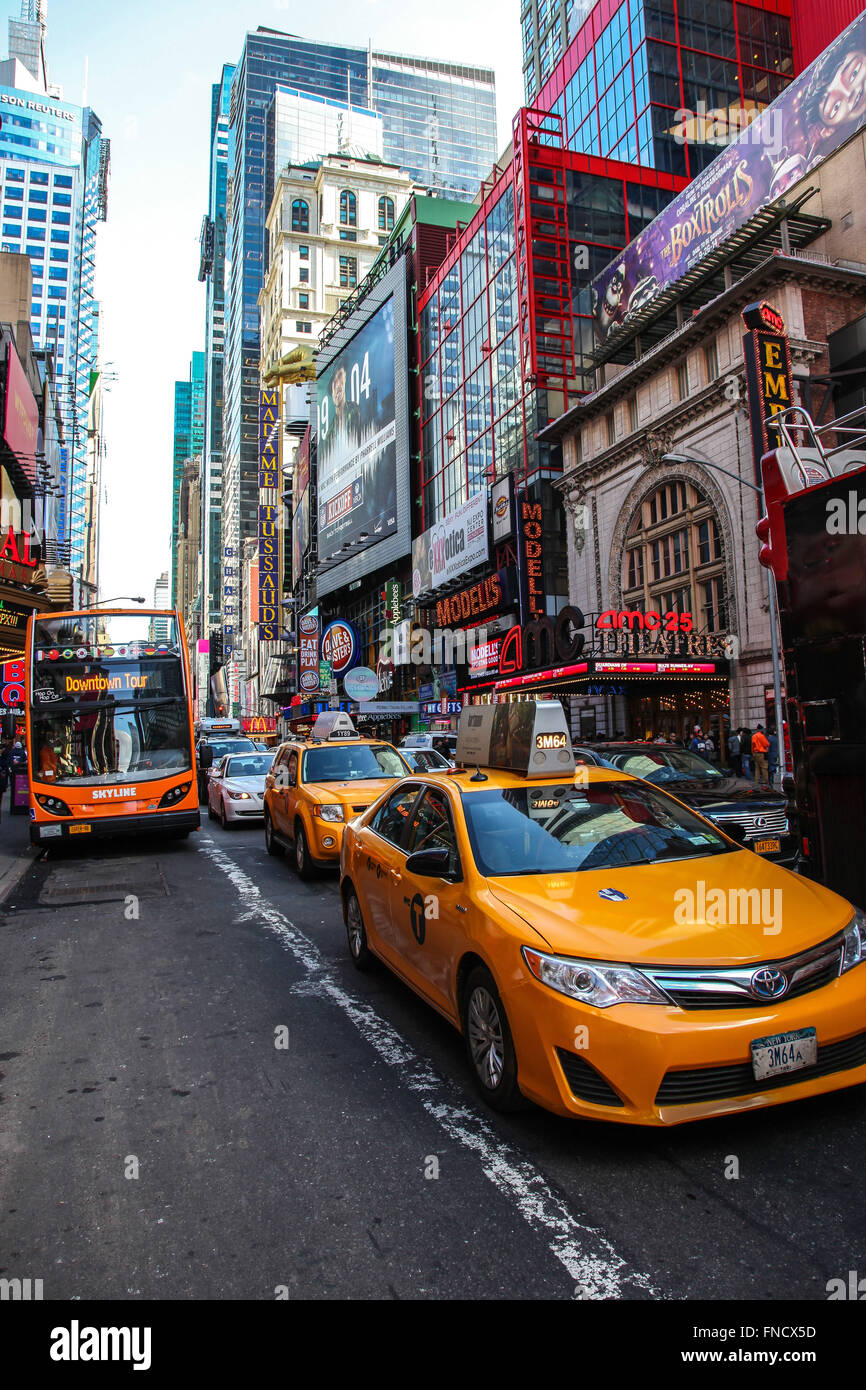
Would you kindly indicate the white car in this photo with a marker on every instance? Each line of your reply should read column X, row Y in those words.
column 236, row 788
column 443, row 743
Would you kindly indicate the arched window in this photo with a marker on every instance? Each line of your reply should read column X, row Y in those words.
column 674, row 559
column 300, row 216
column 386, row 214
column 348, row 208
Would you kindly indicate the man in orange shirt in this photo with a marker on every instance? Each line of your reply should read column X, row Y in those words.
column 760, row 748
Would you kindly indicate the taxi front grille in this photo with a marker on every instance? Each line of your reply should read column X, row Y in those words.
column 584, row 1081
column 721, row 1083
column 730, row 987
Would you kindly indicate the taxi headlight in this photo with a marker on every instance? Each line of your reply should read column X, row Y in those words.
column 329, row 812
column 854, row 942
column 593, row 982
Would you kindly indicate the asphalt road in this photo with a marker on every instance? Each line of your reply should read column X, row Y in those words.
column 201, row 1098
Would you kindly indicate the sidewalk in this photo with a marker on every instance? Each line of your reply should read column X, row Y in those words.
column 16, row 852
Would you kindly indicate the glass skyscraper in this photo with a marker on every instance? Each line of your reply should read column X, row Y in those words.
column 212, row 270
column 189, row 434
column 439, row 123
column 54, row 164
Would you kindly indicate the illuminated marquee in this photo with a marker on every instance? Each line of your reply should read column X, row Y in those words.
column 268, row 515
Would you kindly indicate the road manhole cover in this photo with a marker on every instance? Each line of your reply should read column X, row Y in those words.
column 105, row 882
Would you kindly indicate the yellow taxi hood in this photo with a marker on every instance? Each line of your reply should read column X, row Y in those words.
column 686, row 912
column 362, row 791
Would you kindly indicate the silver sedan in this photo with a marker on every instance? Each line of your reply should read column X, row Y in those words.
column 236, row 788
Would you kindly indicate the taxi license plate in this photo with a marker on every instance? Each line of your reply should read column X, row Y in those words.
column 783, row 1053
column 83, row 829
column 767, row 846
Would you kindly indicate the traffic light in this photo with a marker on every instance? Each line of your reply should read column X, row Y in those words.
column 770, row 531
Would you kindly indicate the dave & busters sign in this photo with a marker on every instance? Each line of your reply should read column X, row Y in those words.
column 341, row 646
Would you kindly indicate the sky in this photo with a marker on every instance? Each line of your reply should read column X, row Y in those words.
column 150, row 66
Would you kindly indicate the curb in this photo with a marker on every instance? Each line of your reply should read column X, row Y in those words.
column 16, row 871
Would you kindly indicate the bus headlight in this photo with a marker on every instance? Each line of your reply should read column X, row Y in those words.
column 53, row 804
column 170, row 798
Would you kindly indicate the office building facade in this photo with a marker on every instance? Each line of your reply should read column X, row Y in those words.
column 54, row 164
column 188, row 445
column 438, row 124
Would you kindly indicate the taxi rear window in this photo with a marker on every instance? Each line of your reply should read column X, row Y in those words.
column 350, row 762
column 565, row 828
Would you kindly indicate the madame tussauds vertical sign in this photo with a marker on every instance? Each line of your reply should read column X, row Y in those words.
column 268, row 515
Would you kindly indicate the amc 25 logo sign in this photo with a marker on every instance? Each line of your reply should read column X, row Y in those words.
column 613, row 621
column 543, row 642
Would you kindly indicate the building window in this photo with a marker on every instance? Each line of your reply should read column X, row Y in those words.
column 386, row 214
column 632, row 413
column 300, row 216
column 673, row 556
column 303, row 301
column 62, row 181
column 303, row 327
column 711, row 360
column 382, row 240
column 61, row 200
column 304, row 275
column 683, row 380
column 610, row 421
column 64, row 218
column 304, row 253
column 348, row 272
column 348, row 208
column 38, row 178
column 348, row 236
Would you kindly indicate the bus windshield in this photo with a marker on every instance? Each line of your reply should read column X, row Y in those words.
column 107, row 705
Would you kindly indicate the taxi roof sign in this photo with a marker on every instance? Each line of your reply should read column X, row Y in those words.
column 529, row 737
column 333, row 724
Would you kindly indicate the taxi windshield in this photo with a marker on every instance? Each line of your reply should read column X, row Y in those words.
column 353, row 762
column 560, row 828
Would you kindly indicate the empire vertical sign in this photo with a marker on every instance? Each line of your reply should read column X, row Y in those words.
column 268, row 514
column 768, row 375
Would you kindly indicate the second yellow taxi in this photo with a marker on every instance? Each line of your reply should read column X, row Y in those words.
column 317, row 784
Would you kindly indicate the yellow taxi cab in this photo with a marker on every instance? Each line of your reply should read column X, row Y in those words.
column 606, row 951
column 317, row 784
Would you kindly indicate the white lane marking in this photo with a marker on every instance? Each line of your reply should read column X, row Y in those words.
column 585, row 1252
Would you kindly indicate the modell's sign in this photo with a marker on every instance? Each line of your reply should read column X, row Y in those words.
column 483, row 600
column 452, row 547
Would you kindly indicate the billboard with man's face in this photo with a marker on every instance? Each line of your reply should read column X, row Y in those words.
column 818, row 112
column 357, row 449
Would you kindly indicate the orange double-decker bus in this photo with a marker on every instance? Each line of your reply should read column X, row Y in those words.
column 109, row 725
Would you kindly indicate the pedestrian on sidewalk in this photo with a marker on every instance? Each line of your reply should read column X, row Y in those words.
column 760, row 749
column 746, row 751
column 734, row 756
column 5, row 764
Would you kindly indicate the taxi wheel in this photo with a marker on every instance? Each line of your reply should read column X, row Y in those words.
column 488, row 1042
column 362, row 957
column 303, row 863
column 270, row 843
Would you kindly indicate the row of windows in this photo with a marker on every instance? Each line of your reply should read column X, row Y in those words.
column 683, row 385
column 17, row 176
column 38, row 214
column 348, row 213
column 12, row 229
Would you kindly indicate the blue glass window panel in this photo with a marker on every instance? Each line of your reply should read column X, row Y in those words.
column 13, row 212
column 15, row 193
column 62, row 181
column 64, row 218
column 36, row 233
column 37, row 214
column 38, row 196
column 60, row 236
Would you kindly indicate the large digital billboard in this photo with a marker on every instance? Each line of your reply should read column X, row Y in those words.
column 357, row 439
column 818, row 112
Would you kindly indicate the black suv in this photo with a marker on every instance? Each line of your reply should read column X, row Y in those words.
column 765, row 816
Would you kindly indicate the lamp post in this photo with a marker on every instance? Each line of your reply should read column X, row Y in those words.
column 771, row 603
column 100, row 603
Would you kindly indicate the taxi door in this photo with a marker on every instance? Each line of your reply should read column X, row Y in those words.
column 285, row 775
column 378, row 862
column 430, row 915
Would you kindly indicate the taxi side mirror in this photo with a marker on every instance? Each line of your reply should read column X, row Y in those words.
column 429, row 863
column 205, row 756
